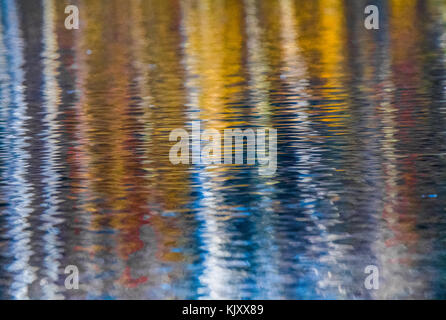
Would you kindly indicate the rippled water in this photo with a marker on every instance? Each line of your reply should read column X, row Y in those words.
column 84, row 141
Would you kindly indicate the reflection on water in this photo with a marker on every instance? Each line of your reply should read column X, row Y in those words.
column 84, row 141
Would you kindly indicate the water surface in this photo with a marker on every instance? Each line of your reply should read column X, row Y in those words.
column 86, row 179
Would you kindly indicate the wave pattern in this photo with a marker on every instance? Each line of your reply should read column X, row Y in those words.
column 86, row 179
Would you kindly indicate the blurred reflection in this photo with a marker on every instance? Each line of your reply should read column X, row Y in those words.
column 84, row 141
